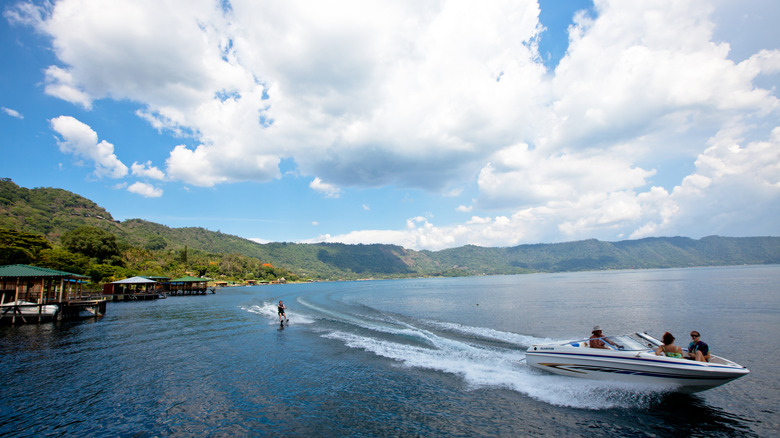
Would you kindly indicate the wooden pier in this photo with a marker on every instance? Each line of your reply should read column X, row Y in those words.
column 25, row 312
column 83, row 309
column 35, row 294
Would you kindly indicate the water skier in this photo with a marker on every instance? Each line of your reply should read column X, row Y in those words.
column 281, row 312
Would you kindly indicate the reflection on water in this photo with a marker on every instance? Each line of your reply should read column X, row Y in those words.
column 693, row 415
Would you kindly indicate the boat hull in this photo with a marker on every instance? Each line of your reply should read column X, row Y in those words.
column 634, row 367
column 27, row 309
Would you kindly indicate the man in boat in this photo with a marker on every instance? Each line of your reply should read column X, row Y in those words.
column 597, row 339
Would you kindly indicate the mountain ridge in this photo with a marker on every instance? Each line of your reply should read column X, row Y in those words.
column 53, row 212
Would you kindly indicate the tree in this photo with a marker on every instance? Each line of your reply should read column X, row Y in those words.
column 155, row 243
column 12, row 255
column 99, row 273
column 92, row 242
column 63, row 260
column 20, row 247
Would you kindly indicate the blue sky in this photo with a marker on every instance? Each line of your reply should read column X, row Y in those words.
column 424, row 124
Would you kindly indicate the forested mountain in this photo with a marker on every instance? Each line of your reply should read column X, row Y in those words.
column 54, row 212
column 660, row 252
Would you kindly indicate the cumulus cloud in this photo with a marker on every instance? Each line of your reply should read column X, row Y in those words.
column 146, row 170
column 61, row 84
column 479, row 220
column 438, row 95
column 649, row 68
column 329, row 190
column 79, row 140
column 420, row 233
column 258, row 82
column 145, row 190
column 537, row 177
column 735, row 186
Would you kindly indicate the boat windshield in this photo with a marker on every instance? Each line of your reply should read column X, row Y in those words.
column 631, row 342
column 627, row 342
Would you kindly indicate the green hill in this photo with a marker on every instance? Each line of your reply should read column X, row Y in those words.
column 53, row 212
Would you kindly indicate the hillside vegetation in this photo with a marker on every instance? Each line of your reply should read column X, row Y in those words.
column 149, row 248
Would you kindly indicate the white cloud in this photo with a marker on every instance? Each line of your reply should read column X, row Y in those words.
column 479, row 220
column 453, row 193
column 650, row 68
column 145, row 190
column 362, row 94
column 329, row 190
column 736, row 186
column 81, row 141
column 535, row 177
column 424, row 236
column 60, row 84
column 146, row 170
column 12, row 113
column 193, row 166
column 440, row 95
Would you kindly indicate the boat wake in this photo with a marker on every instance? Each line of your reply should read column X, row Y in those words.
column 269, row 311
column 483, row 358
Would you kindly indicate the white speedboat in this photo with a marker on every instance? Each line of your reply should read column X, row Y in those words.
column 26, row 308
column 632, row 358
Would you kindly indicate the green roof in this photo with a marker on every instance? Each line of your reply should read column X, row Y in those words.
column 34, row 271
column 188, row 279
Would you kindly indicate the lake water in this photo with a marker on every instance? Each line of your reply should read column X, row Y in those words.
column 428, row 357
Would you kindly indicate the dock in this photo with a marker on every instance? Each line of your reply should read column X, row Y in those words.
column 26, row 312
column 35, row 294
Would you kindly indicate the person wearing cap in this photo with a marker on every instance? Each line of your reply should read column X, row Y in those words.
column 597, row 339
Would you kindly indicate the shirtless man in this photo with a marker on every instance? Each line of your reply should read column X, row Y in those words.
column 597, row 339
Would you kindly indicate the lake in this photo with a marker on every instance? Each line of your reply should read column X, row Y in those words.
column 423, row 357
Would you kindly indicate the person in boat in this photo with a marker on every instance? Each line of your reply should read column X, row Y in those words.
column 281, row 312
column 669, row 349
column 698, row 350
column 597, row 339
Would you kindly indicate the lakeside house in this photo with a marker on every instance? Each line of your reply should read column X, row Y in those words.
column 34, row 294
column 150, row 288
column 133, row 288
column 187, row 286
